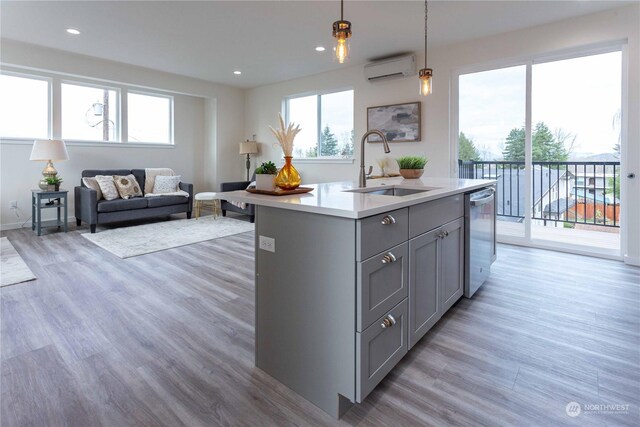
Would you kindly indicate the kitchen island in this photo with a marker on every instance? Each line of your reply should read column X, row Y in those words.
column 348, row 279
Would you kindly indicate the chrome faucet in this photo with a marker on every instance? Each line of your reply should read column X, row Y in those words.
column 362, row 181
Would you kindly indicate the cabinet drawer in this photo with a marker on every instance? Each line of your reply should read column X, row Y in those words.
column 381, row 232
column 382, row 283
column 379, row 348
column 427, row 216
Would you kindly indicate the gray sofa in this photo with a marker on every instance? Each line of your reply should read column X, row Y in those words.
column 94, row 212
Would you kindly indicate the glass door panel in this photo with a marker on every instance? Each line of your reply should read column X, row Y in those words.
column 491, row 142
column 576, row 110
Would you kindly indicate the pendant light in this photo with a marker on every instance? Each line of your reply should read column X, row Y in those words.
column 425, row 73
column 341, row 32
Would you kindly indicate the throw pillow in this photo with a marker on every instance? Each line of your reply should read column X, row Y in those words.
column 108, row 187
column 92, row 183
column 166, row 184
column 127, row 186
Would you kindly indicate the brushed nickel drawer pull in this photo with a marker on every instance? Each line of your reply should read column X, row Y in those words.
column 388, row 258
column 388, row 321
column 388, row 219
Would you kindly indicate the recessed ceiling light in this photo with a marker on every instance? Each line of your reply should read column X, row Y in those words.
column 320, row 49
column 73, row 31
column 237, row 73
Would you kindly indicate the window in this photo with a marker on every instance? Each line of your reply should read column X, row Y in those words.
column 149, row 118
column 89, row 113
column 24, row 107
column 326, row 121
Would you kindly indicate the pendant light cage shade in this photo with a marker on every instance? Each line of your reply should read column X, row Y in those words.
column 425, row 81
column 426, row 74
column 341, row 32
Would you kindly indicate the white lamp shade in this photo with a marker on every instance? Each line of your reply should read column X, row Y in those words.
column 49, row 149
column 248, row 147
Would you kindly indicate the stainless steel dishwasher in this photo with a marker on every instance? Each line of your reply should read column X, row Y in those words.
column 480, row 238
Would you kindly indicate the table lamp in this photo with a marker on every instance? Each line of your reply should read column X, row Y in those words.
column 248, row 147
column 47, row 150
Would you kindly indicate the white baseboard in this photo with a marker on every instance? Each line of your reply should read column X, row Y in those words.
column 16, row 225
column 632, row 260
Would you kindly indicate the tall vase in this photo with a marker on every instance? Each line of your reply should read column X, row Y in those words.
column 288, row 178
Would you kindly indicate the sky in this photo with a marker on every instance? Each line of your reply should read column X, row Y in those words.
column 581, row 96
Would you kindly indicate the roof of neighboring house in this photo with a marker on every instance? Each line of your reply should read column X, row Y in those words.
column 512, row 182
column 580, row 193
column 559, row 206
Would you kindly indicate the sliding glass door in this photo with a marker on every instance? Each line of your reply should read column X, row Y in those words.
column 549, row 133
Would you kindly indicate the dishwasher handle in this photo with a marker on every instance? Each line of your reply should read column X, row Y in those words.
column 484, row 200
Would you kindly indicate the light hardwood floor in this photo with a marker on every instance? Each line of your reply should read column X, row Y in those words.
column 167, row 339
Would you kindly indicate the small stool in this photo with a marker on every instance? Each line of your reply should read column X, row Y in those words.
column 204, row 199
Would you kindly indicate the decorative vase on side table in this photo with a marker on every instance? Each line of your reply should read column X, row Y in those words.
column 288, row 178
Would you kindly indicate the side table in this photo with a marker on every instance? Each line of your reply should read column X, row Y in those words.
column 42, row 199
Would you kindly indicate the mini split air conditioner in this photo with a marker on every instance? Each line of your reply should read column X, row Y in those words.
column 391, row 68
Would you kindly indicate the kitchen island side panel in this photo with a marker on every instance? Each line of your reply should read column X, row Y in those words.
column 305, row 304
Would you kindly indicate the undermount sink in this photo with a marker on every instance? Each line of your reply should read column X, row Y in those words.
column 391, row 191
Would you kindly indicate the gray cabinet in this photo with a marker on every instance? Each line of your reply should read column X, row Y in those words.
column 436, row 276
column 380, row 232
column 379, row 348
column 382, row 284
column 451, row 283
column 424, row 301
column 341, row 301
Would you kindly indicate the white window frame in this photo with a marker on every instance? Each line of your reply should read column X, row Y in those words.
column 319, row 94
column 171, row 115
column 117, row 135
column 55, row 80
column 49, row 81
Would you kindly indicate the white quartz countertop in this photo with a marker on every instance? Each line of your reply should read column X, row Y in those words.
column 336, row 199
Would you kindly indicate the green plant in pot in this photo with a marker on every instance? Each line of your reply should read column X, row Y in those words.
column 411, row 167
column 53, row 183
column 266, row 176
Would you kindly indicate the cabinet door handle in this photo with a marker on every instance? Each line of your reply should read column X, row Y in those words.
column 388, row 321
column 388, row 219
column 388, row 258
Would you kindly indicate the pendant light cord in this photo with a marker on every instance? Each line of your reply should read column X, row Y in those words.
column 342, row 10
column 426, row 17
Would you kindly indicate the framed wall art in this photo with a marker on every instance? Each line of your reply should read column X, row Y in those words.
column 399, row 122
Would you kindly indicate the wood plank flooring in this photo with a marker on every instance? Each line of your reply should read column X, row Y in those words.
column 167, row 339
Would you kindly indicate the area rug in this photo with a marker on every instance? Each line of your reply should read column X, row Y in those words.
column 12, row 267
column 126, row 242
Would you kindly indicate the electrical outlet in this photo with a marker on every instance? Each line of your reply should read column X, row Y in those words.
column 13, row 204
column 267, row 243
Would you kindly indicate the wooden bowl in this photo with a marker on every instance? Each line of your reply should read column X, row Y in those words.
column 411, row 173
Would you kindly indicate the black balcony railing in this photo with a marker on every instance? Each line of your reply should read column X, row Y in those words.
column 561, row 192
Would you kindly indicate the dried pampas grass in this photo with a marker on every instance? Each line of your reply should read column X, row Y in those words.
column 285, row 136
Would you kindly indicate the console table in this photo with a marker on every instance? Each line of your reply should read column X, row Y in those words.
column 42, row 199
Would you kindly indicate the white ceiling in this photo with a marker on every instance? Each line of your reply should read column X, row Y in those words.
column 269, row 41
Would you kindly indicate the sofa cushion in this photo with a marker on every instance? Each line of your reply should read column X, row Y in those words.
column 127, row 186
column 155, row 202
column 92, row 183
column 108, row 187
column 110, row 172
column 122, row 204
column 166, row 184
column 140, row 177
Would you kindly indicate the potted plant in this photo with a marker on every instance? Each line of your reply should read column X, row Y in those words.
column 266, row 176
column 53, row 183
column 411, row 167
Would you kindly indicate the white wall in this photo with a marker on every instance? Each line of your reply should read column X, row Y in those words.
column 263, row 103
column 206, row 138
